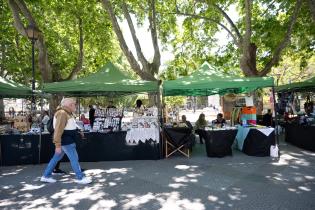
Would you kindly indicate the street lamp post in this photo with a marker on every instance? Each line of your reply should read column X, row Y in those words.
column 33, row 33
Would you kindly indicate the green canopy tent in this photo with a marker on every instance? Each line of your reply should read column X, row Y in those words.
column 209, row 81
column 108, row 81
column 9, row 89
column 307, row 85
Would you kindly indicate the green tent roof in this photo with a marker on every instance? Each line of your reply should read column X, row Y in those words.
column 13, row 90
column 209, row 81
column 307, row 85
column 108, row 81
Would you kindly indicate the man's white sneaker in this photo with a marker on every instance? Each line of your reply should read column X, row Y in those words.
column 47, row 179
column 84, row 180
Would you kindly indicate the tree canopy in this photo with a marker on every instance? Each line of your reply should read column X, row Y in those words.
column 78, row 36
column 75, row 38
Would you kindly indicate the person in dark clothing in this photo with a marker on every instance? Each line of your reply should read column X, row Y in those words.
column 184, row 120
column 57, row 170
column 267, row 118
column 220, row 121
column 91, row 115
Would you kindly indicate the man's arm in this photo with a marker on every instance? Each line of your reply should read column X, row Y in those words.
column 61, row 122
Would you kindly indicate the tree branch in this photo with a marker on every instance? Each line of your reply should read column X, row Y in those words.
column 225, row 15
column 18, row 7
column 3, row 57
column 286, row 40
column 24, row 10
column 248, row 22
column 130, row 57
column 140, row 55
column 157, row 56
column 235, row 40
column 78, row 66
column 16, row 17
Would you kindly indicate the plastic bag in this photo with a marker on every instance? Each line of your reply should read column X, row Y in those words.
column 274, row 151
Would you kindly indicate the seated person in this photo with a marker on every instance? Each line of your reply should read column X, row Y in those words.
column 84, row 120
column 185, row 123
column 220, row 121
column 139, row 109
column 45, row 119
column 267, row 118
column 201, row 123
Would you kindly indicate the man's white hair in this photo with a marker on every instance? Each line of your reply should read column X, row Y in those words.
column 67, row 101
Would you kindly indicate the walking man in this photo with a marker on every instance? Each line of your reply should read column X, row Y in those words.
column 64, row 140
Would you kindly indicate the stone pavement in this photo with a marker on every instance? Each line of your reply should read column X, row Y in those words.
column 177, row 183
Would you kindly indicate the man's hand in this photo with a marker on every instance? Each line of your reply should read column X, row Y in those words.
column 58, row 150
column 82, row 135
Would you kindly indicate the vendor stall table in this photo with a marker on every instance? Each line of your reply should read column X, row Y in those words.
column 95, row 147
column 255, row 141
column 19, row 149
column 219, row 142
column 302, row 136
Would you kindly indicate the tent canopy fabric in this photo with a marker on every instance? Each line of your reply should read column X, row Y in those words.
column 209, row 81
column 307, row 85
column 108, row 81
column 9, row 89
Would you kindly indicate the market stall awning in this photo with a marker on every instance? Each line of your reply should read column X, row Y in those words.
column 209, row 81
column 108, row 81
column 10, row 89
column 307, row 85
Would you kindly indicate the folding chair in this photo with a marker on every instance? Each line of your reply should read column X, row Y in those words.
column 177, row 140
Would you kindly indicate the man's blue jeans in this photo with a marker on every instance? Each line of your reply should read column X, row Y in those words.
column 72, row 154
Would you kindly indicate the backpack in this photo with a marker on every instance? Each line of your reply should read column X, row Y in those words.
column 50, row 125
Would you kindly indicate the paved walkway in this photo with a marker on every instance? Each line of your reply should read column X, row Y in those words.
column 237, row 182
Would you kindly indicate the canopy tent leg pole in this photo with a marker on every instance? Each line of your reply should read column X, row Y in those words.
column 79, row 107
column 40, row 133
column 276, row 118
column 41, row 103
column 161, row 116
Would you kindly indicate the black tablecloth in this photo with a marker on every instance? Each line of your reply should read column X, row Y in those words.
column 258, row 144
column 300, row 136
column 178, row 136
column 19, row 149
column 96, row 147
column 219, row 142
column 112, row 146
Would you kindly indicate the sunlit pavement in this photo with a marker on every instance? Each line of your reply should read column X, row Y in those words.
column 237, row 182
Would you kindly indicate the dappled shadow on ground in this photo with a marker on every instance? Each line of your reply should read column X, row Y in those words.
column 237, row 182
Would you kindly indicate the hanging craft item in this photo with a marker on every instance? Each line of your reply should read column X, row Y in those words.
column 230, row 97
column 248, row 114
column 235, row 116
column 308, row 105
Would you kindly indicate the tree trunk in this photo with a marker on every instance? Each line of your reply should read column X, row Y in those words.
column 248, row 60
column 54, row 102
column 258, row 102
